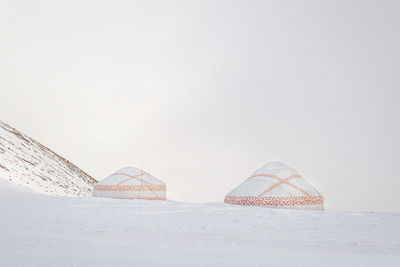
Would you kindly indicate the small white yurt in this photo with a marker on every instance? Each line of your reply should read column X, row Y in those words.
column 131, row 183
column 276, row 185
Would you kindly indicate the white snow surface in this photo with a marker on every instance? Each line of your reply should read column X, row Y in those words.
column 26, row 162
column 43, row 230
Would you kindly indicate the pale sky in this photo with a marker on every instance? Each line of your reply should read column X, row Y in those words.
column 202, row 93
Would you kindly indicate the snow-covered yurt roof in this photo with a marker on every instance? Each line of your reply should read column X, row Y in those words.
column 276, row 185
column 130, row 176
column 131, row 183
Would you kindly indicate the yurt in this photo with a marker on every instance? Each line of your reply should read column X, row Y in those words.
column 131, row 183
column 276, row 185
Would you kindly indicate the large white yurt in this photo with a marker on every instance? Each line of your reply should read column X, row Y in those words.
column 276, row 185
column 131, row 183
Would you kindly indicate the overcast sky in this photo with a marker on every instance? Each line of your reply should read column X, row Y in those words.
column 201, row 93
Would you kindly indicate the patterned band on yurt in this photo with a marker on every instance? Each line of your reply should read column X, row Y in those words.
column 131, row 183
column 276, row 185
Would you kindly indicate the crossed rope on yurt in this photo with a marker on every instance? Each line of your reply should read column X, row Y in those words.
column 146, row 183
column 280, row 181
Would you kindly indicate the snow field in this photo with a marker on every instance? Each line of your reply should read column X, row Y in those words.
column 40, row 230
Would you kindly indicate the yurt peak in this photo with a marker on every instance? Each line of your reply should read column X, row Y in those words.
column 131, row 171
column 275, row 165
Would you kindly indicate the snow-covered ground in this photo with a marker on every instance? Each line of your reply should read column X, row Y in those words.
column 41, row 230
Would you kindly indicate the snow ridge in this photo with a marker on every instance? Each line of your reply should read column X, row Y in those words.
column 26, row 162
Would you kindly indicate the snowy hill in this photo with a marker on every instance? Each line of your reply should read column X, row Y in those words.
column 113, row 232
column 26, row 162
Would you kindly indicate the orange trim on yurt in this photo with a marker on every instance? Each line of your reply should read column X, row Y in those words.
column 275, row 201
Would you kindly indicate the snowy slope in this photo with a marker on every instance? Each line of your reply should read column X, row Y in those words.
column 85, row 231
column 26, row 162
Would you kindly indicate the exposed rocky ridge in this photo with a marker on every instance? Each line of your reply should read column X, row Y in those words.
column 26, row 162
